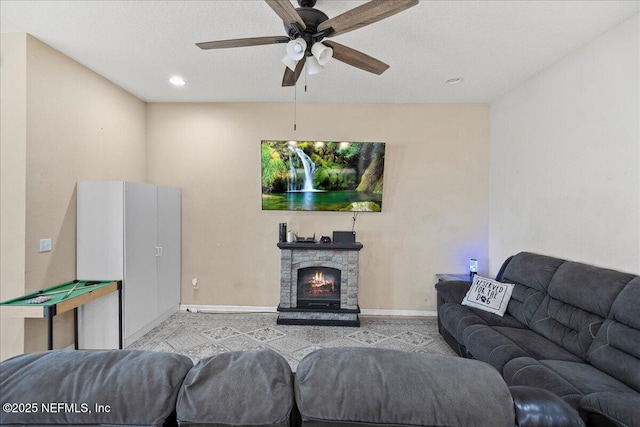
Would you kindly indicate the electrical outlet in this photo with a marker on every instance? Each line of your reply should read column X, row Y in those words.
column 45, row 245
column 194, row 282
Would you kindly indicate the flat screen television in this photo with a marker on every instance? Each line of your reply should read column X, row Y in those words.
column 322, row 175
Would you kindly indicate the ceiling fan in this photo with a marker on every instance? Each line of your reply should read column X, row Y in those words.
column 306, row 27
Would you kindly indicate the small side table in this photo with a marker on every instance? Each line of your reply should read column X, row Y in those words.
column 448, row 277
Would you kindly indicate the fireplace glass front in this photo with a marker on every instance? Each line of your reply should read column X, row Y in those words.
column 319, row 287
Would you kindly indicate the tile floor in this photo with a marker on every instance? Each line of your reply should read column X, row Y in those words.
column 199, row 335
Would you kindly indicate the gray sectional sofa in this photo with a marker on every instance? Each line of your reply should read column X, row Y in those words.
column 570, row 328
column 340, row 387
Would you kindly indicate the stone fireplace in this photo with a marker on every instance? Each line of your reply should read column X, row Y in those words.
column 319, row 284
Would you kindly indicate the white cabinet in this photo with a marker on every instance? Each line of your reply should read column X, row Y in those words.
column 169, row 220
column 130, row 232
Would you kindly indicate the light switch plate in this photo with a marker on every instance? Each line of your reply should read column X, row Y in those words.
column 45, row 245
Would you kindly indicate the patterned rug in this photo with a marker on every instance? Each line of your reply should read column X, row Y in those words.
column 199, row 335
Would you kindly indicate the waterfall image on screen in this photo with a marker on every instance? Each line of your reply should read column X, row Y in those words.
column 322, row 175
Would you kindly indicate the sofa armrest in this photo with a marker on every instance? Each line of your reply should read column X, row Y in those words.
column 537, row 407
column 452, row 290
column 611, row 408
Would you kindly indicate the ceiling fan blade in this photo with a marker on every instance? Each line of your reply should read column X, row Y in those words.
column 291, row 77
column 253, row 41
column 363, row 15
column 356, row 58
column 286, row 11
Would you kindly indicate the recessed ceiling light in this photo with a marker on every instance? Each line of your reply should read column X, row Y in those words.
column 177, row 81
column 454, row 81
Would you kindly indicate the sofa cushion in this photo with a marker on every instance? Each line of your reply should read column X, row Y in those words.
column 488, row 345
column 507, row 320
column 590, row 288
column 530, row 372
column 587, row 378
column 488, row 295
column 536, row 345
column 625, row 306
column 372, row 386
column 497, row 345
column 248, row 388
column 133, row 387
column 616, row 347
column 569, row 380
column 579, row 299
column 621, row 408
column 531, row 275
column 456, row 318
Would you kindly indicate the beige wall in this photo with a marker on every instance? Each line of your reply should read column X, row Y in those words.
column 13, row 128
column 565, row 157
column 79, row 126
column 435, row 206
column 75, row 125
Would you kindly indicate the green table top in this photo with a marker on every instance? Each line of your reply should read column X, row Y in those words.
column 58, row 292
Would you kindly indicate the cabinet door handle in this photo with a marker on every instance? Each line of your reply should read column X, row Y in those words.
column 160, row 251
column 157, row 250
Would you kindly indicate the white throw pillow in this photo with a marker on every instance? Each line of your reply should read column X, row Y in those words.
column 488, row 295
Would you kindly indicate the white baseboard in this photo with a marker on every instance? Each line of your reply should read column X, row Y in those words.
column 227, row 308
column 270, row 309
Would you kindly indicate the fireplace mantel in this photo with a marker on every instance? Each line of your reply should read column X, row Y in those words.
column 340, row 256
column 322, row 246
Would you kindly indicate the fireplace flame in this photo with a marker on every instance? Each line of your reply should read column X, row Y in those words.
column 320, row 285
column 318, row 279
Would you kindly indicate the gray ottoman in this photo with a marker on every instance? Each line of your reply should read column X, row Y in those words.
column 347, row 386
column 248, row 388
column 77, row 387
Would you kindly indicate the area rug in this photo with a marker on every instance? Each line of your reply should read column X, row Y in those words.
column 199, row 335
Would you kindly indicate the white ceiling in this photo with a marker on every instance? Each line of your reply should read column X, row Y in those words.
column 492, row 45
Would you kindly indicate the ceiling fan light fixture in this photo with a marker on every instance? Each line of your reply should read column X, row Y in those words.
column 322, row 53
column 290, row 63
column 313, row 66
column 296, row 48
